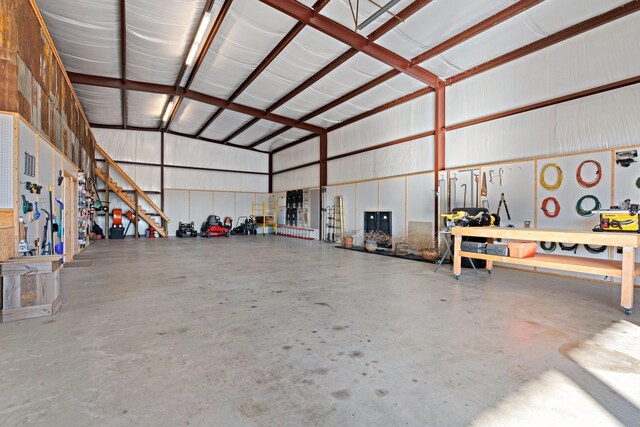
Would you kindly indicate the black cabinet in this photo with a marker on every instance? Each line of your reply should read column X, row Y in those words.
column 378, row 221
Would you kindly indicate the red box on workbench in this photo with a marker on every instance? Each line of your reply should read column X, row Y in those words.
column 522, row 249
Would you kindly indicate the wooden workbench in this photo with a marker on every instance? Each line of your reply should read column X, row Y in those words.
column 627, row 269
column 30, row 287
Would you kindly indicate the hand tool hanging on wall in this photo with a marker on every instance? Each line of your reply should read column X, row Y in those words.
column 475, row 196
column 544, row 183
column 27, row 206
column 501, row 175
column 483, row 186
column 638, row 182
column 60, row 178
column 54, row 227
column 464, row 200
column 506, row 208
column 45, row 247
column 37, row 213
column 60, row 222
column 587, row 212
column 491, row 172
column 556, row 207
column 589, row 184
column 453, row 193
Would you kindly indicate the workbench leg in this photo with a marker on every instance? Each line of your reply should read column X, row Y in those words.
column 489, row 262
column 628, row 272
column 457, row 247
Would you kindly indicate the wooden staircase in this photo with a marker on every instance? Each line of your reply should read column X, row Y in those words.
column 161, row 229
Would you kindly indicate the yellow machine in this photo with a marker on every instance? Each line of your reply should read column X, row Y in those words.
column 620, row 218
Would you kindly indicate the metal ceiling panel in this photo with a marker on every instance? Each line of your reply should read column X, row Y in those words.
column 304, row 56
column 534, row 24
column 438, row 21
column 352, row 74
column 248, row 33
column 144, row 109
column 86, row 34
column 259, row 130
column 225, row 124
column 191, row 116
column 283, row 139
column 102, row 105
column 388, row 91
column 159, row 34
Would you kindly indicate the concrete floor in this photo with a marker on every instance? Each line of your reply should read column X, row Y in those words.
column 264, row 331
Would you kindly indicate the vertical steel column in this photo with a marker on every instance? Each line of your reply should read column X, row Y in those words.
column 164, row 223
column 323, row 177
column 106, row 200
column 439, row 150
column 270, row 172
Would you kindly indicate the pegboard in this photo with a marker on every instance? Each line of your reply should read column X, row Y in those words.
column 6, row 161
column 516, row 182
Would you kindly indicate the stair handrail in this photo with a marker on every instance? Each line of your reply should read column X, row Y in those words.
column 112, row 163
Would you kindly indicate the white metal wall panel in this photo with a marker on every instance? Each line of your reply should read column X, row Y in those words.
column 176, row 206
column 420, row 198
column 402, row 159
column 392, row 198
column 348, row 193
column 145, row 177
column 600, row 56
column 244, row 204
column 307, row 152
column 598, row 122
column 129, row 145
column 406, row 119
column 306, row 177
column 200, row 206
column 224, row 204
column 190, row 152
column 186, row 179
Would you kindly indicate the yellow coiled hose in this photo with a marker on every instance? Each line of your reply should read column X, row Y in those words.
column 545, row 184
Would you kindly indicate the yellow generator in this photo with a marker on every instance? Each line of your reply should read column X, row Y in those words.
column 620, row 218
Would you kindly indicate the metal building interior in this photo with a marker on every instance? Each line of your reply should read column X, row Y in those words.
column 319, row 212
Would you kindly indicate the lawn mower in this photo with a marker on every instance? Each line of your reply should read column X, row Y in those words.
column 214, row 227
column 186, row 229
column 245, row 226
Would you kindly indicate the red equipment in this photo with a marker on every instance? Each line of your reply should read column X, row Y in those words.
column 214, row 227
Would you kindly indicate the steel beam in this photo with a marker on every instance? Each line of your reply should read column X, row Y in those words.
column 123, row 58
column 404, row 14
column 190, row 94
column 331, row 28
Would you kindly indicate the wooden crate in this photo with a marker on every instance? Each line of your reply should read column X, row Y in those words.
column 30, row 287
column 7, row 243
